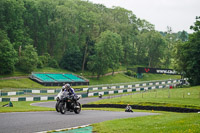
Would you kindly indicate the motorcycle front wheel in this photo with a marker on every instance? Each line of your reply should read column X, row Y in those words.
column 57, row 106
column 62, row 107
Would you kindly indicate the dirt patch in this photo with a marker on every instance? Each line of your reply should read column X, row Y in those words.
column 107, row 74
column 18, row 77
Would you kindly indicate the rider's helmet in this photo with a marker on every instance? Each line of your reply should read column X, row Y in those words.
column 67, row 85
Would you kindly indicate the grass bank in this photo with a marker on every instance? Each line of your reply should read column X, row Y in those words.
column 122, row 78
column 179, row 97
column 23, row 106
column 117, row 78
column 163, row 123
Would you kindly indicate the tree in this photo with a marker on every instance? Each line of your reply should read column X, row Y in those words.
column 150, row 48
column 117, row 52
column 12, row 22
column 47, row 61
column 170, row 39
column 55, row 26
column 188, row 55
column 183, row 36
column 72, row 59
column 108, row 52
column 28, row 59
column 156, row 44
column 8, row 55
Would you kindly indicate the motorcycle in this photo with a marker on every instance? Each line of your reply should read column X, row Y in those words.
column 69, row 103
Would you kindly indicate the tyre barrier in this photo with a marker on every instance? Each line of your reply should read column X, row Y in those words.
column 157, row 108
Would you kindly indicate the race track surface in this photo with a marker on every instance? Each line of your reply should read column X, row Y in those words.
column 28, row 122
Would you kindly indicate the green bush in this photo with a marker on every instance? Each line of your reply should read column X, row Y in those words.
column 40, row 64
column 47, row 61
column 8, row 55
column 129, row 73
column 28, row 61
column 53, row 63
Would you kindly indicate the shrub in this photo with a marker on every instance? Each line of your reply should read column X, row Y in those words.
column 129, row 73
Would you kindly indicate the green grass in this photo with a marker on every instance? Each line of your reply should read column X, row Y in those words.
column 163, row 123
column 21, row 83
column 16, row 73
column 53, row 70
column 23, row 106
column 117, row 78
column 161, row 97
column 122, row 78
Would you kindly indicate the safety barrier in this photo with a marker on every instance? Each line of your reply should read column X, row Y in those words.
column 87, row 94
column 93, row 88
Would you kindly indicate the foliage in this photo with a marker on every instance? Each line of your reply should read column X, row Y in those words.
column 7, row 54
column 108, row 52
column 72, row 59
column 47, row 61
column 53, row 27
column 129, row 73
column 53, row 63
column 29, row 59
column 150, row 46
column 187, row 55
column 12, row 22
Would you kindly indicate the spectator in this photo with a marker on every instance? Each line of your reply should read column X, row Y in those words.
column 128, row 108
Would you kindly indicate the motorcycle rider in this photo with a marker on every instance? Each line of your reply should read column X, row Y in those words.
column 128, row 108
column 67, row 88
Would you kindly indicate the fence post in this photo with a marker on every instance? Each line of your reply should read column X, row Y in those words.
column 168, row 94
column 199, row 94
column 156, row 95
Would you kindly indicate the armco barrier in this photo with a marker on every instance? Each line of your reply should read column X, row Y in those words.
column 12, row 93
column 93, row 88
column 82, row 95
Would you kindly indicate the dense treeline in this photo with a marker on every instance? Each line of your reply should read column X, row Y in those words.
column 78, row 35
column 187, row 55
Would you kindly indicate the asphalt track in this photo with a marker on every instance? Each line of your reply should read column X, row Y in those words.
column 28, row 122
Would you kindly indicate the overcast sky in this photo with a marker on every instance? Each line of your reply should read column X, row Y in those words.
column 178, row 14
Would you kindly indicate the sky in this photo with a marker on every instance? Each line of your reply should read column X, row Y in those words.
column 177, row 14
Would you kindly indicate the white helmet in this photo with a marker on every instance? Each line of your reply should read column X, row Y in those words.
column 67, row 85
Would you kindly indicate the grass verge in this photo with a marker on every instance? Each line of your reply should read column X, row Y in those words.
column 117, row 78
column 122, row 78
column 166, row 122
column 23, row 106
column 180, row 97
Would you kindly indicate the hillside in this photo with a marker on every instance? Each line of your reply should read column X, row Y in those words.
column 24, row 82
